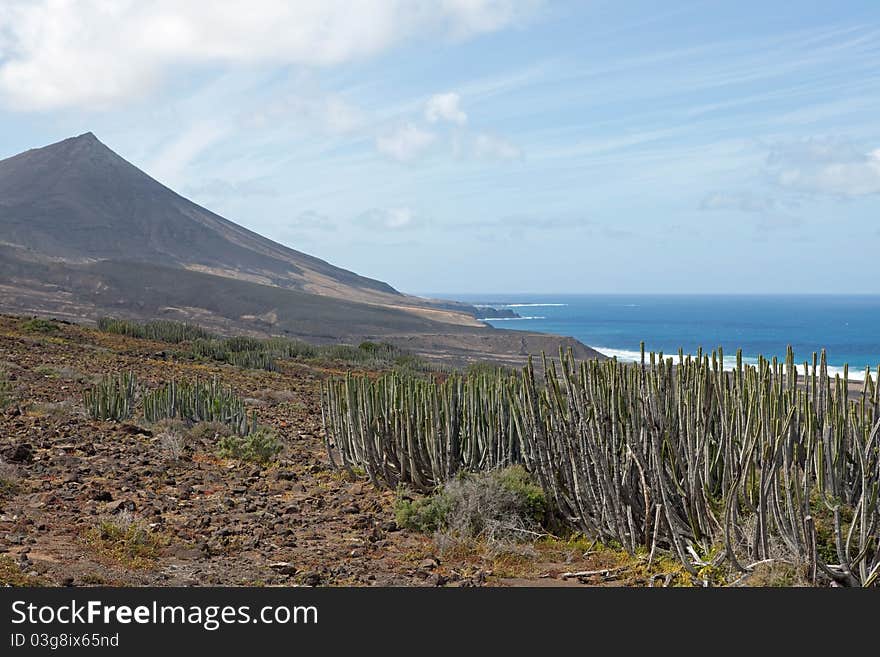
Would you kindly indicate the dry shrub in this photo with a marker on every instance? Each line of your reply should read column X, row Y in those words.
column 208, row 432
column 173, row 443
column 10, row 482
column 503, row 510
column 127, row 540
column 276, row 395
column 54, row 410
column 775, row 574
column 7, row 395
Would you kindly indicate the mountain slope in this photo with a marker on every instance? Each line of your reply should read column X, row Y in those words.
column 79, row 201
column 84, row 233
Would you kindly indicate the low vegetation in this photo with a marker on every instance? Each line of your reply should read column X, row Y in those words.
column 12, row 575
column 497, row 505
column 125, row 539
column 261, row 446
column 37, row 325
column 173, row 443
column 724, row 470
column 266, row 353
column 159, row 330
column 9, row 481
column 7, row 396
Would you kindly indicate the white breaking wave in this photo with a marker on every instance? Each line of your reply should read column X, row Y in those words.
column 509, row 319
column 629, row 356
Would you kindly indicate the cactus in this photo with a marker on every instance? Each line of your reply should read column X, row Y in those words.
column 264, row 354
column 671, row 453
column 112, row 398
column 159, row 330
column 198, row 401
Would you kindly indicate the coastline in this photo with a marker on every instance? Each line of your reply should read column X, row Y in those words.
column 615, row 324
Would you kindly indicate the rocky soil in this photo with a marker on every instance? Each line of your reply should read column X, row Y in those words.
column 84, row 502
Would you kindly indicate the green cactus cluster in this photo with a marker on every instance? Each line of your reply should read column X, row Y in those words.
column 265, row 353
column 199, row 401
column 247, row 353
column 716, row 465
column 112, row 398
column 159, row 330
column 406, row 429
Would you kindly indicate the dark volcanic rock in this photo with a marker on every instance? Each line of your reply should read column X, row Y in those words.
column 21, row 453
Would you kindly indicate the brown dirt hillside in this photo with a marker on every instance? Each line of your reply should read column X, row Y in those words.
column 86, row 502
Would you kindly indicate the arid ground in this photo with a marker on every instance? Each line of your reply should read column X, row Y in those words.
column 86, row 502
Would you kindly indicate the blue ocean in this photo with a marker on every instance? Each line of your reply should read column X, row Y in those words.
column 847, row 327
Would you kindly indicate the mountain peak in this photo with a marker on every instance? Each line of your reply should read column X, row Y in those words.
column 79, row 200
column 73, row 150
column 86, row 141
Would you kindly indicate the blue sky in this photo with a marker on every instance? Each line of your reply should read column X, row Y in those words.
column 488, row 145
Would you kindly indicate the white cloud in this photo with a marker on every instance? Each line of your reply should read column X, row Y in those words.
column 772, row 213
column 330, row 113
column 490, row 146
column 218, row 188
column 826, row 166
column 172, row 159
column 398, row 218
column 405, row 142
column 444, row 107
column 96, row 53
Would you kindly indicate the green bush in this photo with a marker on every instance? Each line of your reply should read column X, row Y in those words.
column 503, row 503
column 423, row 514
column 260, row 446
column 37, row 325
column 530, row 497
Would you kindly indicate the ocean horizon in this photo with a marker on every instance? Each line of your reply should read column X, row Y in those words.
column 759, row 324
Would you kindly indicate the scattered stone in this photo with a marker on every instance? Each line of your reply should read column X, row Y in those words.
column 436, row 579
column 428, row 564
column 284, row 568
column 312, row 579
column 21, row 453
column 119, row 506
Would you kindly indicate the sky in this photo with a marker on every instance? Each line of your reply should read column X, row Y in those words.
column 453, row 146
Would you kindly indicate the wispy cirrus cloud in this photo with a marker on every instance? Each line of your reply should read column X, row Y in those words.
column 331, row 113
column 739, row 201
column 495, row 147
column 404, row 142
column 217, row 188
column 312, row 220
column 188, row 145
column 395, row 218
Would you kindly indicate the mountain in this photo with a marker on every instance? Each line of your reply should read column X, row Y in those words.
column 85, row 233
column 79, row 201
